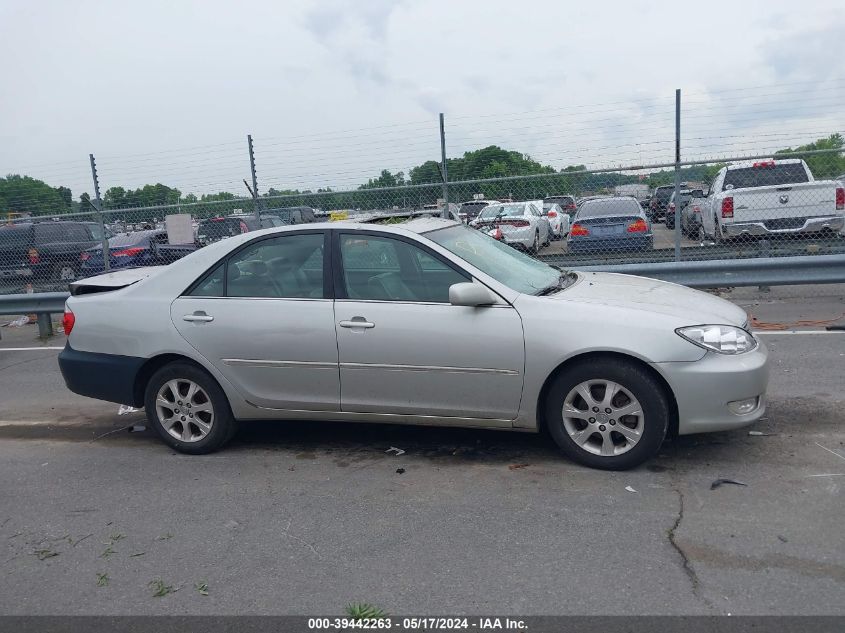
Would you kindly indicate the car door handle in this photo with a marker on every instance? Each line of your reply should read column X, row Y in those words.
column 198, row 316
column 357, row 322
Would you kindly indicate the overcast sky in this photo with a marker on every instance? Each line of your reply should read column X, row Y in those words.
column 334, row 91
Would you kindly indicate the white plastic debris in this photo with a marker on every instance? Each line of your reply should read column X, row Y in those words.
column 125, row 408
column 629, row 489
column 393, row 449
column 19, row 322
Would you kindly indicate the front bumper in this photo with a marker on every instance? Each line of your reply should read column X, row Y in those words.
column 703, row 389
column 810, row 225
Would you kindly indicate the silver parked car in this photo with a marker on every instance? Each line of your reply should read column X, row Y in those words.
column 429, row 322
column 522, row 224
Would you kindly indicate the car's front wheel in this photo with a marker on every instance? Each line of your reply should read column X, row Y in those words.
column 188, row 409
column 607, row 413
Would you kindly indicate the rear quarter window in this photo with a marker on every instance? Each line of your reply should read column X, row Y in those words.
column 765, row 176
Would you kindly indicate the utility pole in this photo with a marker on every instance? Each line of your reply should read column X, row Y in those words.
column 444, row 174
column 678, row 175
column 254, row 177
column 99, row 207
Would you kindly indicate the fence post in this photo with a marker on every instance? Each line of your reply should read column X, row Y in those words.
column 678, row 175
column 254, row 178
column 99, row 207
column 444, row 174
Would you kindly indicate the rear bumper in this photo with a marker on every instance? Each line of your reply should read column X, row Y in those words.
column 811, row 225
column 640, row 243
column 13, row 272
column 703, row 389
column 106, row 377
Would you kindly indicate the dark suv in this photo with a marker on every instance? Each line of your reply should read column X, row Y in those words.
column 215, row 229
column 660, row 201
column 46, row 250
column 566, row 202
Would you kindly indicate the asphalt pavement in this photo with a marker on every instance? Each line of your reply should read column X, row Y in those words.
column 304, row 518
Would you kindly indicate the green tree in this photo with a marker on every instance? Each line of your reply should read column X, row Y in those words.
column 822, row 165
column 23, row 194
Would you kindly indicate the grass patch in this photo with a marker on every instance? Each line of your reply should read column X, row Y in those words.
column 364, row 611
column 160, row 588
column 102, row 580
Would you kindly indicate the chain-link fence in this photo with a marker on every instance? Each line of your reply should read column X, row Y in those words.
column 725, row 197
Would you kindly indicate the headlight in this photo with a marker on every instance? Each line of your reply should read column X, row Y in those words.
column 725, row 339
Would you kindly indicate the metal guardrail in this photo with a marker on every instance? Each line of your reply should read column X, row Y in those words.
column 42, row 304
column 757, row 271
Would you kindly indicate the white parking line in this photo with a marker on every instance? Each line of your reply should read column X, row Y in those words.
column 778, row 332
column 26, row 349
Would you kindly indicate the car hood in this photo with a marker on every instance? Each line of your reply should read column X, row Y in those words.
column 651, row 295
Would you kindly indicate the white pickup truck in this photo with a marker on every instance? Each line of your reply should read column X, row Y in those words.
column 771, row 197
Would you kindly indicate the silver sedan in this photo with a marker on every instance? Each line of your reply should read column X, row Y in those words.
column 428, row 322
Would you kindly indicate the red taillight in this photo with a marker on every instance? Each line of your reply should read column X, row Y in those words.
column 552, row 214
column 34, row 257
column 840, row 198
column 570, row 206
column 68, row 321
column 637, row 226
column 696, row 208
column 516, row 223
column 129, row 252
column 764, row 163
column 728, row 207
column 244, row 227
column 671, row 206
column 578, row 229
column 84, row 257
column 217, row 220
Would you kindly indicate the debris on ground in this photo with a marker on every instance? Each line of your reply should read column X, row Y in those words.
column 102, row 580
column 518, row 466
column 44, row 554
column 125, row 408
column 782, row 539
column 136, row 554
column 108, row 552
column 19, row 322
column 160, row 589
column 202, row 588
column 629, row 489
column 137, row 428
column 720, row 482
column 400, row 471
column 760, row 433
column 393, row 449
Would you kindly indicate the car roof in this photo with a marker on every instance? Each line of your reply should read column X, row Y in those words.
column 776, row 161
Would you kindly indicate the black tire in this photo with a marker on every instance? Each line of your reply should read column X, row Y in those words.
column 647, row 390
column 535, row 246
column 224, row 425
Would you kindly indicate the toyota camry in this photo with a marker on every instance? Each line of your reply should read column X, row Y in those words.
column 428, row 322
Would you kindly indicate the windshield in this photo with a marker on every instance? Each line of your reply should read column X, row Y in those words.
column 503, row 210
column 609, row 207
column 765, row 174
column 502, row 262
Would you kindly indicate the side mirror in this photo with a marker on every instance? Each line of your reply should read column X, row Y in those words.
column 470, row 294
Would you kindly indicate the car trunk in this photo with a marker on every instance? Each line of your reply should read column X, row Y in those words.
column 608, row 226
column 112, row 281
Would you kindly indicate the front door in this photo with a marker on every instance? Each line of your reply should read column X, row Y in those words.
column 404, row 349
column 263, row 320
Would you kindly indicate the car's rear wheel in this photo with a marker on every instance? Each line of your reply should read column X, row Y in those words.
column 535, row 246
column 607, row 413
column 188, row 409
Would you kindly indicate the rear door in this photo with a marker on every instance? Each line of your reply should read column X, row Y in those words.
column 264, row 318
column 404, row 349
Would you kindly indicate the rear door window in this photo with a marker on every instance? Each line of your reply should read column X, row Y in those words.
column 765, row 175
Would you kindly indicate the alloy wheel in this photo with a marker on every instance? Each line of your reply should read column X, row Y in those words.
column 603, row 417
column 184, row 410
